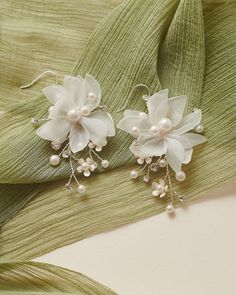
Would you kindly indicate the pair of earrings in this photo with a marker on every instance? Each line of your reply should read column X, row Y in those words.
column 77, row 121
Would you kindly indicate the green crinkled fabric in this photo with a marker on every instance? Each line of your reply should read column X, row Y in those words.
column 183, row 45
column 31, row 278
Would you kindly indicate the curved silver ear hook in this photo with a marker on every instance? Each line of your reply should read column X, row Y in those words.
column 38, row 78
column 144, row 97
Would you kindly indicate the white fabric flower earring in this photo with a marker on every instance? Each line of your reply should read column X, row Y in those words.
column 76, row 121
column 162, row 140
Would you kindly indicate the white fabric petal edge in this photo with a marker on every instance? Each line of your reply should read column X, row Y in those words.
column 106, row 118
column 176, row 108
column 188, row 122
column 55, row 130
column 78, row 138
column 154, row 147
column 175, row 154
column 54, row 92
column 96, row 128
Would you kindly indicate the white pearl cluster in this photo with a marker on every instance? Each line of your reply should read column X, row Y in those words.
column 86, row 166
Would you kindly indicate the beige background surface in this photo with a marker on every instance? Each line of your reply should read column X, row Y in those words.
column 193, row 253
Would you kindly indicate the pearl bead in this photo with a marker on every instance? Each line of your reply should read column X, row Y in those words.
column 54, row 160
column 133, row 174
column 180, row 176
column 162, row 163
column 199, row 129
column 50, row 110
column 85, row 111
column 142, row 114
column 81, row 189
column 105, row 163
column 91, row 145
column 135, row 131
column 98, row 148
column 85, row 166
column 87, row 173
column 158, row 188
column 170, row 209
column 155, row 193
column 154, row 130
column 92, row 96
column 55, row 145
column 140, row 161
column 165, row 125
column 73, row 115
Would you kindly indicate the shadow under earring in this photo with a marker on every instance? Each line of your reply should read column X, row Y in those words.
column 162, row 141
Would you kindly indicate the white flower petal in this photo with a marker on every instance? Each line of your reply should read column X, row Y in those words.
column 92, row 86
column 188, row 156
column 128, row 123
column 188, row 122
column 78, row 138
column 155, row 100
column 159, row 113
column 136, row 149
column 96, row 128
column 106, row 118
column 54, row 92
column 75, row 89
column 154, row 147
column 175, row 154
column 62, row 106
column 54, row 130
column 176, row 108
column 189, row 140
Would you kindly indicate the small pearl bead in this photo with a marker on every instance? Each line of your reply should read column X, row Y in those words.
column 73, row 115
column 85, row 111
column 158, row 188
column 155, row 193
column 133, row 174
column 170, row 209
column 142, row 114
column 87, row 173
column 54, row 160
column 85, row 166
column 154, row 130
column 180, row 176
column 105, row 163
column 165, row 125
column 91, row 145
column 91, row 96
column 56, row 145
column 50, row 110
column 162, row 163
column 199, row 129
column 140, row 161
column 98, row 148
column 135, row 131
column 81, row 189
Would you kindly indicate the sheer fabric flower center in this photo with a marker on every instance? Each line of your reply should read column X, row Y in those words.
column 74, row 115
